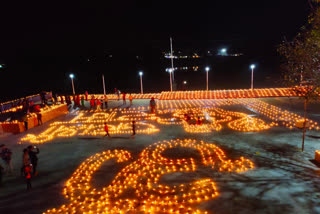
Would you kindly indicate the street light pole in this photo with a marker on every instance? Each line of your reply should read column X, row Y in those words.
column 252, row 67
column 207, row 70
column 141, row 85
column 172, row 59
column 72, row 76
column 170, row 71
column 104, row 86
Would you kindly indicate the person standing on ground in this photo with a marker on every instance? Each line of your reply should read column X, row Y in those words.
column 199, row 121
column 56, row 98
column 27, row 174
column 82, row 101
column 61, row 99
column 86, row 93
column 106, row 101
column 92, row 103
column 133, row 128
column 1, row 171
column 124, row 98
column 33, row 158
column 130, row 99
column 106, row 129
column 25, row 120
column 25, row 160
column 98, row 105
column 153, row 105
column 39, row 117
column 6, row 157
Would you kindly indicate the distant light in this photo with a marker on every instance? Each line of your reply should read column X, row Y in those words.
column 170, row 70
column 223, row 50
column 140, row 73
column 207, row 68
column 252, row 66
column 71, row 76
column 1, row 66
column 184, row 82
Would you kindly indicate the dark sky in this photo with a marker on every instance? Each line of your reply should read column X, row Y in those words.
column 41, row 43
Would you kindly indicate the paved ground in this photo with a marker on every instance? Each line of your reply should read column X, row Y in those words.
column 283, row 180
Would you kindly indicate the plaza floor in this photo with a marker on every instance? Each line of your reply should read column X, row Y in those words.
column 283, row 179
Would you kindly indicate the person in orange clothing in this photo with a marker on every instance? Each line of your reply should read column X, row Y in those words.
column 130, row 99
column 106, row 129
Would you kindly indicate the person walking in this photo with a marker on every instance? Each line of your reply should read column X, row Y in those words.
column 153, row 105
column 133, row 128
column 33, row 158
column 27, row 174
column 39, row 117
column 106, row 129
column 6, row 157
column 130, row 99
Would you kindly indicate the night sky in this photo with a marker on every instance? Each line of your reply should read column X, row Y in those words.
column 41, row 44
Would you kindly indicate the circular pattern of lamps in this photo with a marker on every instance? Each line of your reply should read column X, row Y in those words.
column 136, row 188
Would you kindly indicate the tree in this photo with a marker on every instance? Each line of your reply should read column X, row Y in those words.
column 302, row 62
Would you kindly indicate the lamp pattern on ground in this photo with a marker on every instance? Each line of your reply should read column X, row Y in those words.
column 137, row 188
column 87, row 123
column 91, row 122
column 276, row 115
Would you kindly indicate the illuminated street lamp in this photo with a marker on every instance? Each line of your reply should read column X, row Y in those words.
column 223, row 52
column 141, row 86
column 72, row 76
column 1, row 66
column 207, row 70
column 184, row 82
column 252, row 68
column 170, row 72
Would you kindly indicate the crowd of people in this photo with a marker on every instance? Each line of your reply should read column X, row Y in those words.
column 29, row 163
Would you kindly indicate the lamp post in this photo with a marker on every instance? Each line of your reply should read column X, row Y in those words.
column 252, row 68
column 141, row 86
column 72, row 76
column 170, row 71
column 207, row 70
